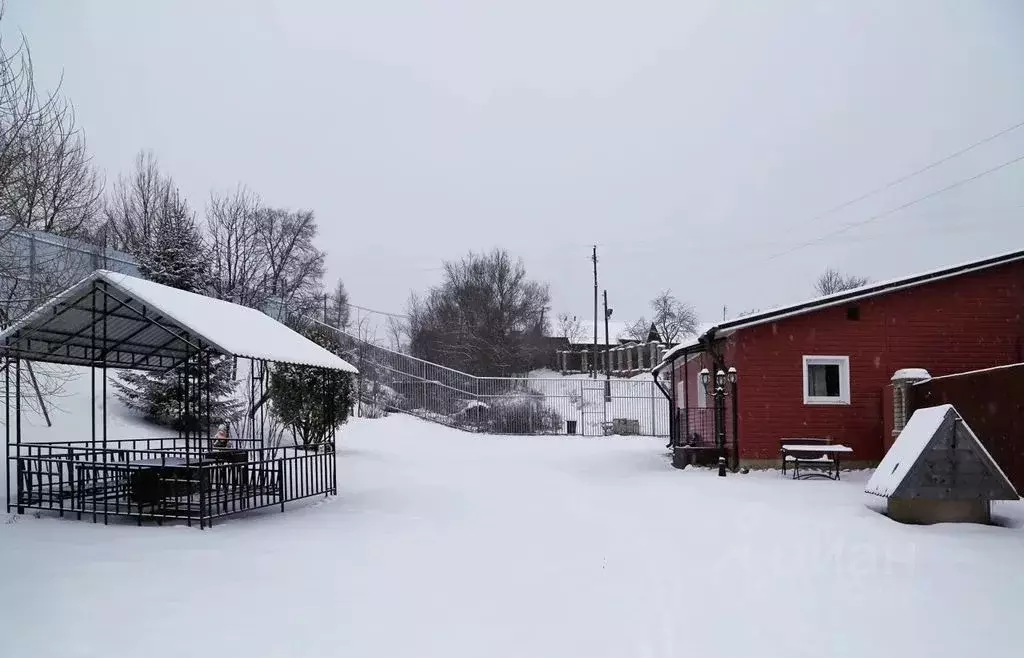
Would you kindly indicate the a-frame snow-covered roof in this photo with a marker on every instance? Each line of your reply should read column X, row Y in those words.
column 937, row 456
column 119, row 321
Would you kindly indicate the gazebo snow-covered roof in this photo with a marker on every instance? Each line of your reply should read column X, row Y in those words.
column 118, row 321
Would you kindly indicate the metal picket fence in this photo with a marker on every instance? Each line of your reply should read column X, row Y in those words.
column 35, row 265
column 393, row 381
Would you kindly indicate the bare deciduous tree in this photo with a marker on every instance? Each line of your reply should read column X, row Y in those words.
column 259, row 252
column 21, row 111
column 135, row 203
column 295, row 266
column 47, row 183
column 238, row 263
column 483, row 317
column 639, row 330
column 832, row 281
column 571, row 328
column 55, row 187
column 672, row 318
column 398, row 333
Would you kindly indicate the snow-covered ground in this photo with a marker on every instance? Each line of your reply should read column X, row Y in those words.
column 455, row 545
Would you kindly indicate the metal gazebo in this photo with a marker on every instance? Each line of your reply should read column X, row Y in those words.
column 110, row 321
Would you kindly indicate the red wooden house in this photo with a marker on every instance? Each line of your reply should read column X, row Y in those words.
column 822, row 368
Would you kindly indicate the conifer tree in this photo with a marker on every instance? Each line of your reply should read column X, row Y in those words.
column 175, row 256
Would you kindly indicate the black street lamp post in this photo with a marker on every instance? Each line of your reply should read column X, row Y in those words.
column 717, row 389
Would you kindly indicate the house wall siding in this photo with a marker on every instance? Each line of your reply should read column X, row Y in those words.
column 962, row 323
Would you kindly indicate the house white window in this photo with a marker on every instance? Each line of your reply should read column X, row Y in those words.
column 702, row 395
column 826, row 380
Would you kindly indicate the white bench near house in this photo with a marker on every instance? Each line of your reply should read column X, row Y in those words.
column 813, row 454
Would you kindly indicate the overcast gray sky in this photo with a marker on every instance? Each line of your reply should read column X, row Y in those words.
column 691, row 140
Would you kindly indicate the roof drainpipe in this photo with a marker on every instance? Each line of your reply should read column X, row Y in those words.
column 657, row 381
column 670, row 395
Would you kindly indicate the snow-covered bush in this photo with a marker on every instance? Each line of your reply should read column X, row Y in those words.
column 522, row 412
column 310, row 402
column 377, row 400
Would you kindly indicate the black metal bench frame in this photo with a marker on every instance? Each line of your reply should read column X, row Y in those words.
column 810, row 459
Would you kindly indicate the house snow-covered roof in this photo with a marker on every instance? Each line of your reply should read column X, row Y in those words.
column 687, row 343
column 723, row 329
column 905, row 470
column 140, row 324
column 866, row 291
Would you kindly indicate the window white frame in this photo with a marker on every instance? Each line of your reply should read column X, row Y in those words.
column 844, row 379
column 702, row 394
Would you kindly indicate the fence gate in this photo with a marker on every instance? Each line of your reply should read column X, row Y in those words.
column 595, row 411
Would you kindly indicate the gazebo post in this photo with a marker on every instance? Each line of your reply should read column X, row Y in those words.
column 328, row 431
column 103, row 372
column 256, row 386
column 17, row 429
column 250, row 414
column 209, row 438
column 334, row 437
column 187, row 398
column 7, row 430
column 92, row 407
column 263, row 414
column 185, row 423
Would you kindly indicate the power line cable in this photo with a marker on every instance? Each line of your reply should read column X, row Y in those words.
column 874, row 218
column 917, row 172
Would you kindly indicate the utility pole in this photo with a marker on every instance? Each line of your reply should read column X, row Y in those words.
column 607, row 353
column 594, row 366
